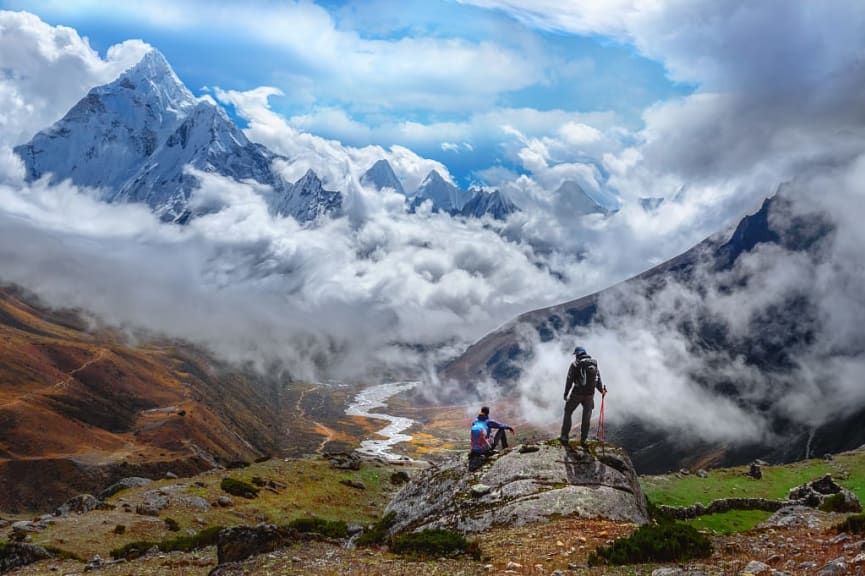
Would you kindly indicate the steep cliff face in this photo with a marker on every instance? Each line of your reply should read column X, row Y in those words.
column 529, row 483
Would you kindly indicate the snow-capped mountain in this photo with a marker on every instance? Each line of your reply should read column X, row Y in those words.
column 133, row 138
column 307, row 199
column 575, row 200
column 493, row 203
column 445, row 197
column 381, row 175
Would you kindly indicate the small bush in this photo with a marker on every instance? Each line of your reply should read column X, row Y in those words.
column 238, row 488
column 329, row 528
column 378, row 533
column 853, row 524
column 203, row 539
column 658, row 514
column 433, row 543
column 665, row 542
column 259, row 481
column 833, row 503
column 172, row 524
column 120, row 529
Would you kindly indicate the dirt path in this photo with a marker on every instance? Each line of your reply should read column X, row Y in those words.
column 61, row 384
column 328, row 433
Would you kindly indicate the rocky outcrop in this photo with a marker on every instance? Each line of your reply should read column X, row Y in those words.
column 817, row 494
column 124, row 484
column 78, row 505
column 241, row 542
column 521, row 486
column 16, row 554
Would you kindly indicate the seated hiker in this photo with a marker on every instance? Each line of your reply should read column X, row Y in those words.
column 481, row 441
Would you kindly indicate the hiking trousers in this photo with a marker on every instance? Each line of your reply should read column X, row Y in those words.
column 500, row 437
column 588, row 403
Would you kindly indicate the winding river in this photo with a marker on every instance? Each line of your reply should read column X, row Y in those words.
column 376, row 397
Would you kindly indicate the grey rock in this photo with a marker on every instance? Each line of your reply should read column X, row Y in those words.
column 95, row 563
column 480, row 490
column 16, row 554
column 224, row 501
column 702, row 473
column 666, row 571
column 78, row 505
column 25, row 526
column 524, row 487
column 171, row 475
column 353, row 529
column 794, row 517
column 842, row 537
column 126, row 483
column 755, row 568
column 344, row 461
column 837, row 567
column 195, row 502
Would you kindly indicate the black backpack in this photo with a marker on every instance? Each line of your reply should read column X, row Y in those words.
column 587, row 375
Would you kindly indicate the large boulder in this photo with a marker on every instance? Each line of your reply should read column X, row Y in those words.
column 78, row 505
column 126, row 483
column 521, row 486
column 16, row 554
column 241, row 542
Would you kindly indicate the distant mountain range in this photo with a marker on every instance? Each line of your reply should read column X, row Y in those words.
column 133, row 139
column 772, row 344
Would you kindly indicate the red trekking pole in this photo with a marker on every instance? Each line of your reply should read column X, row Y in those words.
column 599, row 433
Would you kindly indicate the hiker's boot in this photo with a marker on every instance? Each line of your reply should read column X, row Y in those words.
column 564, row 440
column 584, row 444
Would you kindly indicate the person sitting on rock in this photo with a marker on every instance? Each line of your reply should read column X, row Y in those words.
column 481, row 441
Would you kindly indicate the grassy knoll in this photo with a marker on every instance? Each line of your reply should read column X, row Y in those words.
column 675, row 490
column 312, row 488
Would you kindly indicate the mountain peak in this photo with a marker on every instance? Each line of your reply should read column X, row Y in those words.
column 153, row 77
column 433, row 178
column 381, row 175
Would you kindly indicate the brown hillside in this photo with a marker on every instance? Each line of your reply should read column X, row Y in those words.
column 80, row 409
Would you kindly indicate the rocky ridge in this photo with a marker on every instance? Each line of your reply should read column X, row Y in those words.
column 528, row 483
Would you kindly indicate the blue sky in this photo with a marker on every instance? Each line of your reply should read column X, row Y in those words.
column 434, row 76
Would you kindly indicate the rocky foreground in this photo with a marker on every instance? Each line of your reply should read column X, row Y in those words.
column 527, row 484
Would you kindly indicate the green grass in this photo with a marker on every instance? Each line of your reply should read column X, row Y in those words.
column 329, row 528
column 730, row 522
column 732, row 482
column 132, row 550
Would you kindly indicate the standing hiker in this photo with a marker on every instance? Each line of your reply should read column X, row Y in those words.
column 584, row 378
column 481, row 442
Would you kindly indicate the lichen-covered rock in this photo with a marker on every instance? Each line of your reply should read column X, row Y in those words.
column 126, row 483
column 794, row 517
column 78, row 505
column 15, row 554
column 524, row 487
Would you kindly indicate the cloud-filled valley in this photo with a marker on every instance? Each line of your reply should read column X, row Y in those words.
column 383, row 290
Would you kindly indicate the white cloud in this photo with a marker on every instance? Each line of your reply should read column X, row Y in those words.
column 45, row 69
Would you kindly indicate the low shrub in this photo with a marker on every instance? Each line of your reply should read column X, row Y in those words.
column 378, row 533
column 665, row 542
column 658, row 514
column 238, row 488
column 833, row 503
column 329, row 528
column 853, row 524
column 433, row 543
column 172, row 524
column 120, row 529
column 203, row 539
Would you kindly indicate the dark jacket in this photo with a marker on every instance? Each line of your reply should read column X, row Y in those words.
column 574, row 377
